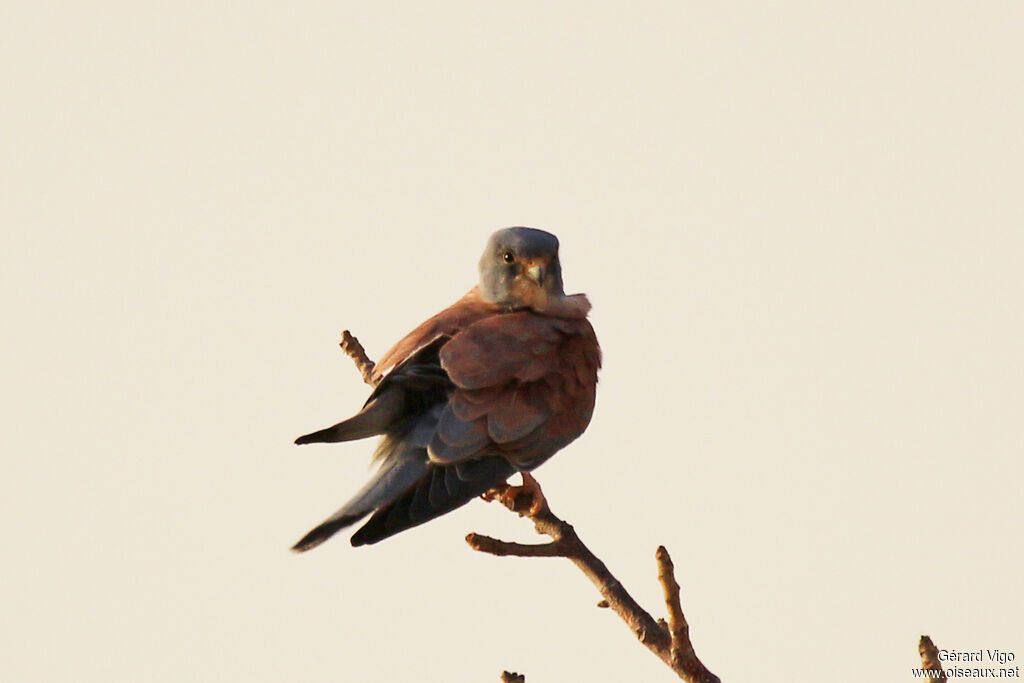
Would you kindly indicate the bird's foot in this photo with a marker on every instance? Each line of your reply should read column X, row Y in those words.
column 496, row 493
column 526, row 499
column 531, row 487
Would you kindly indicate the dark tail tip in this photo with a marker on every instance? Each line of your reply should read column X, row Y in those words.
column 315, row 437
column 306, row 544
column 323, row 532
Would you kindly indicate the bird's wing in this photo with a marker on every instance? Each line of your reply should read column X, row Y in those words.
column 417, row 383
column 464, row 312
column 482, row 395
column 524, row 387
column 397, row 473
column 407, row 489
column 405, row 406
column 407, row 375
column 441, row 489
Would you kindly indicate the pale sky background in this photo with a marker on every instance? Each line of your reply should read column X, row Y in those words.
column 801, row 227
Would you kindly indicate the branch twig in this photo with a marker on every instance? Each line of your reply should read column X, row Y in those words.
column 351, row 346
column 683, row 656
column 671, row 642
column 930, row 658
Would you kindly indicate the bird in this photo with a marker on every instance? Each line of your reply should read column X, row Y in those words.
column 493, row 385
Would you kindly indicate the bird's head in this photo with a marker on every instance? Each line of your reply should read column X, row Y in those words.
column 520, row 269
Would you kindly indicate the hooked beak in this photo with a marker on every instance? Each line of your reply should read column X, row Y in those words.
column 536, row 271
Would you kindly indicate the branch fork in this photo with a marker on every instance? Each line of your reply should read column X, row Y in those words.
column 669, row 640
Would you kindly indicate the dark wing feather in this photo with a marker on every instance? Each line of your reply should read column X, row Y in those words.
column 404, row 466
column 459, row 315
column 443, row 489
column 415, row 385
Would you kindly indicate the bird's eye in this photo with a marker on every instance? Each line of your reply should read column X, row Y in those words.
column 508, row 256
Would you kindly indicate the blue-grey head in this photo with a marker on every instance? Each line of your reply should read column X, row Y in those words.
column 520, row 269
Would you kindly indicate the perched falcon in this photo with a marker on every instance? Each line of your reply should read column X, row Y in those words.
column 494, row 384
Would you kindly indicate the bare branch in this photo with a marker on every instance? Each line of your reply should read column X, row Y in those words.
column 670, row 641
column 351, row 346
column 930, row 658
column 676, row 625
column 681, row 649
column 671, row 644
column 493, row 546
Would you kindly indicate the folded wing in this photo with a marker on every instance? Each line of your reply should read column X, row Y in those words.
column 487, row 395
column 524, row 387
